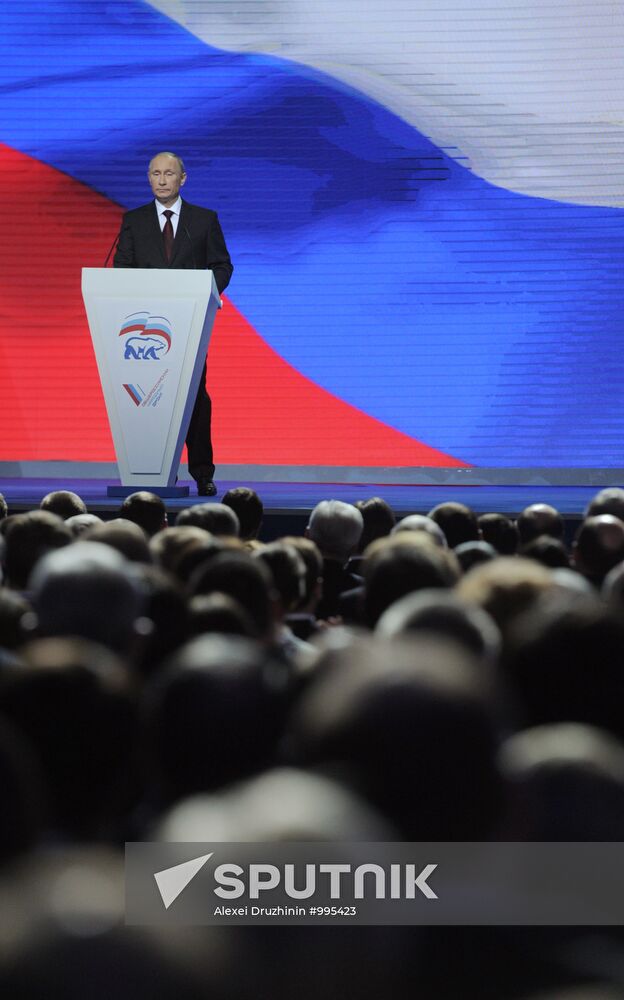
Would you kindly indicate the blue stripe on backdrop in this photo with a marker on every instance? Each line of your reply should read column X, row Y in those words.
column 485, row 323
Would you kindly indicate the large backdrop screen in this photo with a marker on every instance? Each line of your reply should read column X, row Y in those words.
column 422, row 200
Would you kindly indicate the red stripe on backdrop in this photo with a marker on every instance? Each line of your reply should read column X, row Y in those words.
column 51, row 406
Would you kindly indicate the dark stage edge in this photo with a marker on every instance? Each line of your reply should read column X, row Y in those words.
column 288, row 504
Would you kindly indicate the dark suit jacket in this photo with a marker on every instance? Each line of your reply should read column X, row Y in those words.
column 198, row 243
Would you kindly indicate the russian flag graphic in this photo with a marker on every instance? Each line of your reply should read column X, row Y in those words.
column 405, row 292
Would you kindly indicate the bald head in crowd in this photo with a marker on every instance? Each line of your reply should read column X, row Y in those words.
column 336, row 528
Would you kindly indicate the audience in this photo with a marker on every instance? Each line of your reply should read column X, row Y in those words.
column 539, row 519
column 458, row 522
column 64, row 503
column 145, row 509
column 335, row 528
column 446, row 678
column 248, row 508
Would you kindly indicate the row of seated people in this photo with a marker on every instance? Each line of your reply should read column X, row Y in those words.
column 446, row 677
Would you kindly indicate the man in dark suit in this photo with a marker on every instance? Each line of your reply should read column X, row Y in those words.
column 170, row 233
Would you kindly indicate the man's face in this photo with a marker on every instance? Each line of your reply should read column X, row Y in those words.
column 165, row 178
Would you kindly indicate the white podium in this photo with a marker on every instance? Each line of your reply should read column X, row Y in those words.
column 150, row 330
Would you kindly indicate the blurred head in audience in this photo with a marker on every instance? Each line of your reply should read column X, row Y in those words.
column 420, row 522
column 313, row 570
column 288, row 571
column 165, row 606
column 4, row 507
column 599, row 546
column 21, row 781
column 402, row 564
column 125, row 537
column 247, row 580
column 71, row 701
column 214, row 715
column 458, row 522
column 220, row 613
column 471, row 554
column 13, row 611
column 501, row 532
column 505, row 587
column 564, row 661
column 248, row 508
column 607, row 501
column 379, row 520
column 28, row 538
column 408, row 724
column 284, row 804
column 547, row 551
column 336, row 528
column 216, row 518
column 168, row 545
column 79, row 523
column 88, row 590
column 64, row 503
column 565, row 783
column 539, row 519
column 445, row 614
column 145, row 509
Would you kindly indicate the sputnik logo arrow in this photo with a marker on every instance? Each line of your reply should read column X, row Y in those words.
column 172, row 881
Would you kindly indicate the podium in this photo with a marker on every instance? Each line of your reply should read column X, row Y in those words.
column 150, row 330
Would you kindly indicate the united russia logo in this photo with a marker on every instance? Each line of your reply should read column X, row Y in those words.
column 148, row 338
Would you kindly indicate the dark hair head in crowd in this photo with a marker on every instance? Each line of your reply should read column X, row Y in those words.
column 220, row 613
column 145, row 509
column 565, row 783
column 245, row 579
column 28, row 538
column 313, row 568
column 288, row 571
column 214, row 715
column 471, row 554
column 599, row 546
column 501, row 532
column 164, row 605
column 443, row 613
column 64, row 503
column 216, row 518
column 458, row 522
column 15, row 611
column 410, row 725
column 548, row 551
column 401, row 564
column 125, row 537
column 539, row 519
column 71, row 700
column 248, row 508
column 564, row 660
column 607, row 501
column 4, row 507
column 379, row 520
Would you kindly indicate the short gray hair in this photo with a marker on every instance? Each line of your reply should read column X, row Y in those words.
column 336, row 527
column 174, row 156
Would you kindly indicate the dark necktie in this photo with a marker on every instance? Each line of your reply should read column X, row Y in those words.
column 168, row 235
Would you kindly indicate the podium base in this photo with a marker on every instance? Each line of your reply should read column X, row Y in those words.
column 159, row 491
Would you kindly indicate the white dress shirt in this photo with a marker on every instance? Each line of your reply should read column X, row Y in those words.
column 176, row 208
